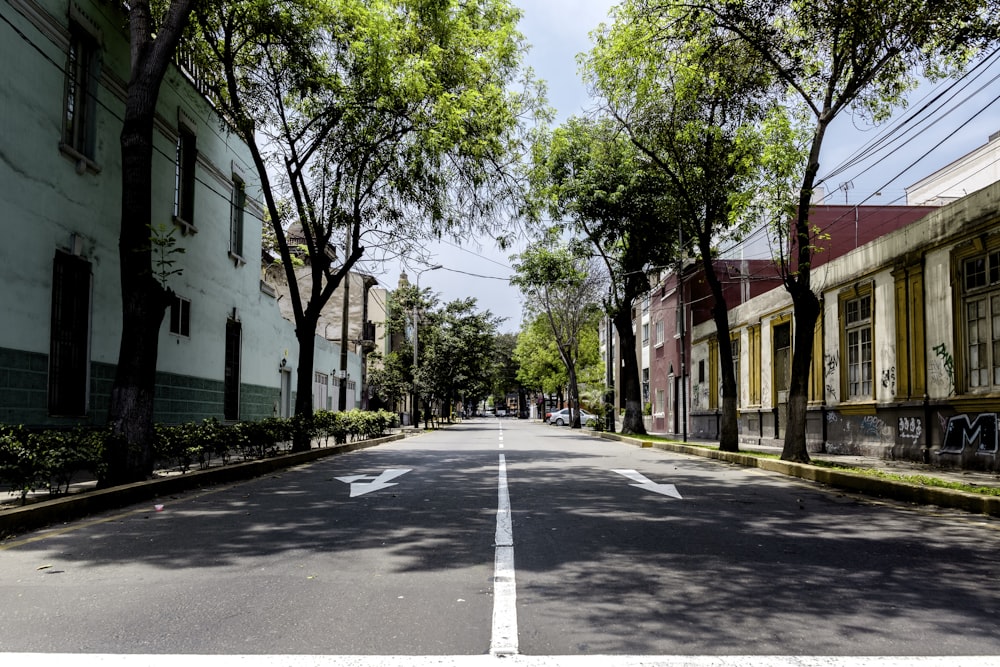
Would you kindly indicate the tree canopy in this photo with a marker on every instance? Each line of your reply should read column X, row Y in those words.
column 700, row 107
column 564, row 289
column 604, row 193
column 374, row 126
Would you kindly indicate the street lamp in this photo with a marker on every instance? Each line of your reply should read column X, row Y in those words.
column 416, row 394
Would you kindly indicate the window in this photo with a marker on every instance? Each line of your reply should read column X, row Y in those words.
column 659, row 333
column 82, row 71
column 645, row 303
column 231, row 388
column 645, row 333
column 187, row 156
column 645, row 385
column 858, row 324
column 660, row 402
column 69, row 344
column 981, row 321
column 180, row 317
column 238, row 207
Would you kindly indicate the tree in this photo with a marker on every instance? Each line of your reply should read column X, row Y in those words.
column 458, row 353
column 588, row 172
column 503, row 369
column 391, row 122
column 537, row 357
column 388, row 380
column 695, row 102
column 407, row 306
column 836, row 56
column 564, row 289
column 153, row 39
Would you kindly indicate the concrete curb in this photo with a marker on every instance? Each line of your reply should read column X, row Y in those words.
column 850, row 481
column 58, row 510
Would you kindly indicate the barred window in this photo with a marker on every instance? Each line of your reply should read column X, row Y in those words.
column 79, row 110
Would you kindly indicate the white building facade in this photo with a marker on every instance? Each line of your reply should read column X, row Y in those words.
column 225, row 351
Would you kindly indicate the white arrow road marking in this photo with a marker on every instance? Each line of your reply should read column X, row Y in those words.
column 359, row 488
column 649, row 485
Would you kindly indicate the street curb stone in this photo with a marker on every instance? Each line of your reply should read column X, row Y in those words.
column 850, row 481
column 66, row 508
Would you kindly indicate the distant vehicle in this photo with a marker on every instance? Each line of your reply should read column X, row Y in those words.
column 501, row 412
column 561, row 417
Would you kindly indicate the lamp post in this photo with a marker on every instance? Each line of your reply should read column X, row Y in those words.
column 416, row 394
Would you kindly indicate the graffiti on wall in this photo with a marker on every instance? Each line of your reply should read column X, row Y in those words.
column 889, row 372
column 830, row 363
column 874, row 427
column 944, row 370
column 910, row 428
column 889, row 379
column 978, row 433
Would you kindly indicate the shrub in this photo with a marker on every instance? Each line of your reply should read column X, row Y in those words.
column 48, row 459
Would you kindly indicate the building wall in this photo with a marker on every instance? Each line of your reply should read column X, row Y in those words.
column 53, row 204
column 921, row 401
column 969, row 173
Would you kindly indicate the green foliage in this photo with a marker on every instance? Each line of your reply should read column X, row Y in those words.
column 458, row 353
column 389, row 380
column 30, row 461
column 164, row 248
column 396, row 122
column 51, row 459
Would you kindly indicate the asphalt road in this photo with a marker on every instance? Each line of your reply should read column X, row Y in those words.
column 606, row 549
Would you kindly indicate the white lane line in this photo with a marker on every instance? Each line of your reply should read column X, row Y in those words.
column 166, row 660
column 504, row 638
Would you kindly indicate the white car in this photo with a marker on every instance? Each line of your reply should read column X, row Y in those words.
column 561, row 417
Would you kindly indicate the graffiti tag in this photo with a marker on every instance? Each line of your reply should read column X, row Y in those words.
column 979, row 433
column 910, row 428
column 873, row 426
column 947, row 363
column 889, row 378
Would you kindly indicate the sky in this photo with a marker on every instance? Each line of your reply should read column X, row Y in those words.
column 558, row 30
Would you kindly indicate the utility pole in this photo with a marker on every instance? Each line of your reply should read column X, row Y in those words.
column 342, row 394
column 682, row 319
column 609, row 397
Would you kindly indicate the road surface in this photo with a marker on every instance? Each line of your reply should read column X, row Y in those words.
column 506, row 540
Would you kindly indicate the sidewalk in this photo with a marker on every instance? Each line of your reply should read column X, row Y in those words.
column 83, row 500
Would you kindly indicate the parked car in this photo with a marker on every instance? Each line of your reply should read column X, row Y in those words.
column 561, row 417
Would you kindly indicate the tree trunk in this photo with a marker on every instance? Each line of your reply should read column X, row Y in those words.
column 729, row 440
column 303, row 384
column 806, row 314
column 630, row 386
column 129, row 452
column 574, row 396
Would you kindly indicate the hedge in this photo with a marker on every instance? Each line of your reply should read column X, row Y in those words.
column 51, row 459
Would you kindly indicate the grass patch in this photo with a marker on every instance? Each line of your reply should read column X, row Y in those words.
column 919, row 480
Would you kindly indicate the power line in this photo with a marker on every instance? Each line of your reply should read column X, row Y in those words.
column 476, row 275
